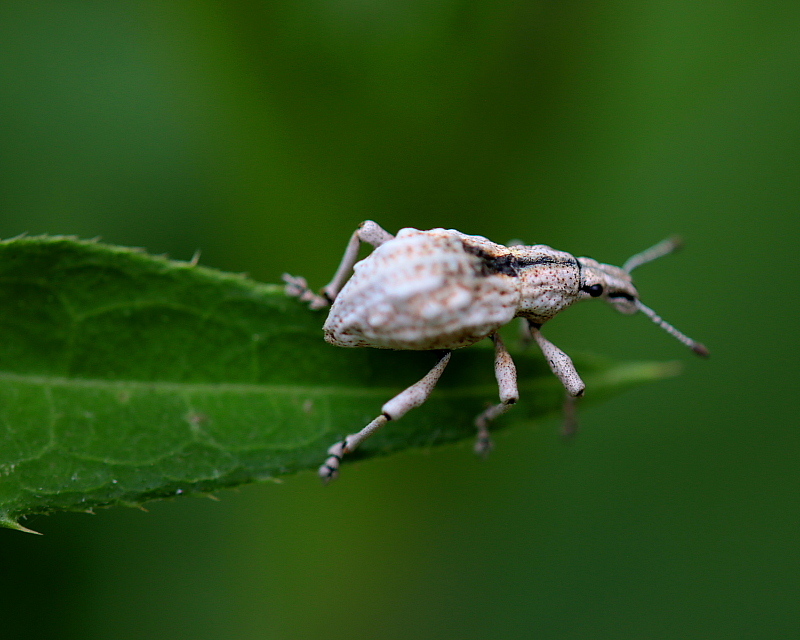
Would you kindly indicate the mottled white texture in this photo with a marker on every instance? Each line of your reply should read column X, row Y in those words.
column 421, row 291
column 442, row 289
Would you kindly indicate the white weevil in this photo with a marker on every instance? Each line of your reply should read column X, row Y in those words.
column 442, row 289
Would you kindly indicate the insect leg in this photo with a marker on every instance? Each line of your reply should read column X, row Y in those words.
column 562, row 366
column 368, row 231
column 297, row 287
column 525, row 337
column 560, row 363
column 506, row 374
column 570, row 425
column 396, row 408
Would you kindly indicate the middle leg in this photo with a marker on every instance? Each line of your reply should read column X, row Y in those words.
column 506, row 374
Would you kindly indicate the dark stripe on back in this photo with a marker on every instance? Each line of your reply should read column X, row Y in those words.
column 505, row 264
column 510, row 265
column 531, row 262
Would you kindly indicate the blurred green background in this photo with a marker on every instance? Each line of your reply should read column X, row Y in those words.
column 263, row 132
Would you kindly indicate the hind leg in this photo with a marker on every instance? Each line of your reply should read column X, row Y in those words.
column 395, row 409
column 368, row 231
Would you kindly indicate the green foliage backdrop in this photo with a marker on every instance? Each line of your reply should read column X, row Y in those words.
column 262, row 132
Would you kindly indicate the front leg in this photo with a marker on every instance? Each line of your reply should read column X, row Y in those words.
column 368, row 231
column 561, row 365
column 506, row 374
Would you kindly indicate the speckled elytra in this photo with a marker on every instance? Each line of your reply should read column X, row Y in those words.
column 442, row 289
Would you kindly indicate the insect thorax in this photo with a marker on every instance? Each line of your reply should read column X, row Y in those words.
column 549, row 281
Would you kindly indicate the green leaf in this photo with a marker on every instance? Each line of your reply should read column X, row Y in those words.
column 126, row 377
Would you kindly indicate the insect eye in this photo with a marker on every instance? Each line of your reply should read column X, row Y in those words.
column 594, row 290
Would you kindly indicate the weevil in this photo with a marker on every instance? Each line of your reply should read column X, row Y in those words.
column 442, row 290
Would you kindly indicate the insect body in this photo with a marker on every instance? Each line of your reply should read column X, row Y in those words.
column 442, row 290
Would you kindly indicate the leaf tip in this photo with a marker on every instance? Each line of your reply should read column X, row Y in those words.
column 10, row 523
column 669, row 369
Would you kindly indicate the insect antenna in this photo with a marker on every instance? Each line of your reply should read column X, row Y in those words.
column 663, row 248
column 695, row 346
